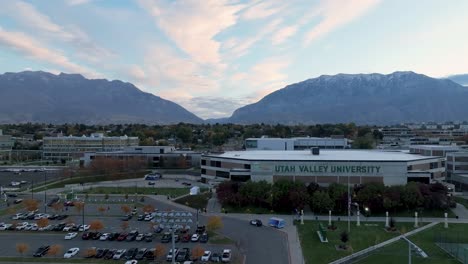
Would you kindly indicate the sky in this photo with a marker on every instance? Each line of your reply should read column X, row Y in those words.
column 214, row 56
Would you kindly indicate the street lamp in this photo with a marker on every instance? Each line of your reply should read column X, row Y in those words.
column 45, row 191
column 366, row 209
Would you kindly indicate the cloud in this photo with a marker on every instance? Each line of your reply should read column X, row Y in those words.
column 336, row 13
column 193, row 25
column 32, row 48
column 261, row 10
column 29, row 16
column 214, row 106
column 283, row 34
column 77, row 2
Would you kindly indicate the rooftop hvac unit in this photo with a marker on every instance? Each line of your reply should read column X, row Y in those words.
column 315, row 151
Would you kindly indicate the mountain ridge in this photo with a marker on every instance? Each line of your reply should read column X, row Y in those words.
column 375, row 98
column 38, row 96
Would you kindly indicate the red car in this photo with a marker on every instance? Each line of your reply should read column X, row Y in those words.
column 122, row 237
column 69, row 203
column 185, row 238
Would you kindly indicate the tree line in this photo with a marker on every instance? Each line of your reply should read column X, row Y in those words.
column 288, row 196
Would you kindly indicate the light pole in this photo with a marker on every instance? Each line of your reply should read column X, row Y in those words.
column 45, row 191
column 349, row 207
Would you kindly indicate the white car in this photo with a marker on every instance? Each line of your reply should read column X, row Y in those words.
column 104, row 237
column 131, row 261
column 226, row 256
column 34, row 227
column 206, row 256
column 39, row 216
column 83, row 228
column 48, row 227
column 71, row 235
column 5, row 226
column 21, row 226
column 148, row 217
column 140, row 237
column 169, row 255
column 68, row 227
column 195, row 237
column 71, row 252
column 119, row 254
column 17, row 216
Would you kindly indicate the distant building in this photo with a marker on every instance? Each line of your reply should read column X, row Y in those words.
column 323, row 166
column 457, row 169
column 296, row 143
column 153, row 156
column 73, row 147
column 6, row 145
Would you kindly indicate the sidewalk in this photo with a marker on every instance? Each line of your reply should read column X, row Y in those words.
column 460, row 211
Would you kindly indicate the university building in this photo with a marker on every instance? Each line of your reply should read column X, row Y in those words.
column 323, row 166
column 73, row 147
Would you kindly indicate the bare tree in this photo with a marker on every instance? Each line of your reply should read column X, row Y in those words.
column 102, row 209
column 126, row 209
column 43, row 222
column 89, row 252
column 148, row 208
column 96, row 225
column 214, row 223
column 31, row 204
column 197, row 252
column 54, row 250
column 22, row 248
column 159, row 251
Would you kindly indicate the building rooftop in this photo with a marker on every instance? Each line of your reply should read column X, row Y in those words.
column 436, row 147
column 325, row 155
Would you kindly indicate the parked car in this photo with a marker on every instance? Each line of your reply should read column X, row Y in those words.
column 96, row 236
column 62, row 217
column 119, row 254
column 122, row 236
column 53, row 201
column 132, row 235
column 206, row 256
column 149, row 255
column 166, row 238
column 69, row 203
column 183, row 255
column 201, row 229
column 149, row 237
column 140, row 254
column 256, row 222
column 104, row 236
column 17, row 216
column 70, row 235
column 226, row 256
column 195, row 237
column 114, row 236
column 130, row 253
column 140, row 218
column 127, row 217
column 204, row 238
column 41, row 251
column 140, row 237
column 83, row 228
column 91, row 252
column 185, row 238
column 110, row 254
column 101, row 252
column 87, row 235
column 17, row 201
column 71, row 252
column 68, row 227
column 215, row 257
column 169, row 254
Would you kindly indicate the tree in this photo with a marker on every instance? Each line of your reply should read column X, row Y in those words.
column 148, row 208
column 102, row 209
column 79, row 206
column 55, row 250
column 126, row 209
column 344, row 237
column 197, row 252
column 159, row 251
column 57, row 207
column 214, row 223
column 411, row 196
column 31, row 204
column 89, row 252
column 124, row 225
column 321, row 202
column 96, row 225
column 43, row 222
column 22, row 248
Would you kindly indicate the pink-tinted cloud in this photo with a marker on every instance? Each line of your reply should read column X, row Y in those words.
column 283, row 34
column 32, row 48
column 263, row 9
column 336, row 13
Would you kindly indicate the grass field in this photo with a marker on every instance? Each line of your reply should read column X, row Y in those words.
column 461, row 200
column 398, row 252
column 174, row 192
column 368, row 234
column 195, row 201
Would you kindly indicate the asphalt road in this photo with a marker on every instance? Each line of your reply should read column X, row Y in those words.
column 31, row 177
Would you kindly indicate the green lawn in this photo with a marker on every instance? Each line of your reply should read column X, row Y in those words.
column 368, row 234
column 398, row 252
column 174, row 192
column 461, row 200
column 195, row 201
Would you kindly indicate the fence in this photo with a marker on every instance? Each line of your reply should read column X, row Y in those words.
column 454, row 244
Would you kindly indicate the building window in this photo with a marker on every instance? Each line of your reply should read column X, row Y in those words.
column 222, row 174
column 247, row 166
column 213, row 163
column 203, row 162
column 203, row 171
column 218, row 164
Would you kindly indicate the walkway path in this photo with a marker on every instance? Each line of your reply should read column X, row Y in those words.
column 460, row 211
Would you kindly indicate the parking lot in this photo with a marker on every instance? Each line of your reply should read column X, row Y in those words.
column 30, row 177
column 165, row 217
